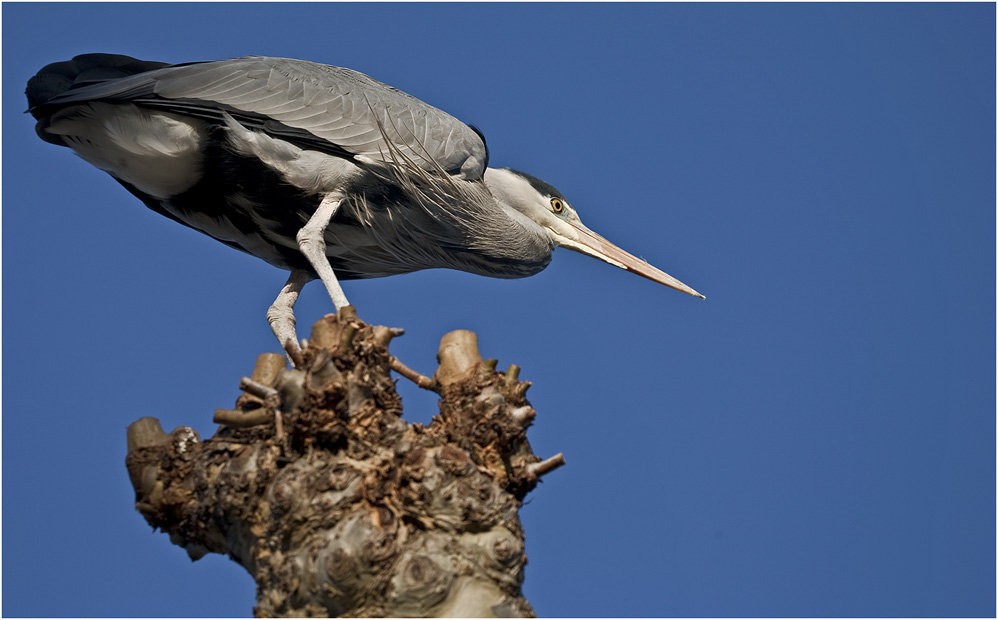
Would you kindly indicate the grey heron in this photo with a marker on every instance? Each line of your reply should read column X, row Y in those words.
column 318, row 170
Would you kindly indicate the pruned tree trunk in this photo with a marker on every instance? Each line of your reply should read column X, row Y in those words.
column 337, row 506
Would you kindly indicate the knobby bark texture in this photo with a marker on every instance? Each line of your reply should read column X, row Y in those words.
column 337, row 506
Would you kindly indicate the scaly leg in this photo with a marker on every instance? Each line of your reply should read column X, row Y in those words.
column 312, row 243
column 281, row 315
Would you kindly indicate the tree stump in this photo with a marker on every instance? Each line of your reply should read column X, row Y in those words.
column 333, row 503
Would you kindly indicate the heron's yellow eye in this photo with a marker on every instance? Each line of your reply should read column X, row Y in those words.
column 557, row 205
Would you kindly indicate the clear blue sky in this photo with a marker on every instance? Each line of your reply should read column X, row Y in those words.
column 817, row 438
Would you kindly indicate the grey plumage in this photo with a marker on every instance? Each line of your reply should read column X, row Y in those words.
column 325, row 107
column 316, row 169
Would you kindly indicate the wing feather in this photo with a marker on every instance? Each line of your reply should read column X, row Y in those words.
column 306, row 102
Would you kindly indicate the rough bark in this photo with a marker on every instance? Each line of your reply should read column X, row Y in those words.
column 333, row 503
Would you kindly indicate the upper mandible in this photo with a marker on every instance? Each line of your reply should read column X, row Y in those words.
column 316, row 106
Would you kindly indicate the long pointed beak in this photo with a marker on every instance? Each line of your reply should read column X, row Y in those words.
column 596, row 246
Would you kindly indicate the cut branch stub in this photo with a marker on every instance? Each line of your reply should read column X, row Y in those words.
column 145, row 433
column 267, row 367
column 333, row 503
column 513, row 374
column 458, row 357
column 383, row 335
column 329, row 331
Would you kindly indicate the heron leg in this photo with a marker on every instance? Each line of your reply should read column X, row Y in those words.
column 281, row 315
column 312, row 243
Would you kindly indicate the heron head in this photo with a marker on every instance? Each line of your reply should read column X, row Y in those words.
column 546, row 207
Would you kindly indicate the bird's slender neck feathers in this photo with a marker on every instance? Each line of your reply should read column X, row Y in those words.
column 462, row 224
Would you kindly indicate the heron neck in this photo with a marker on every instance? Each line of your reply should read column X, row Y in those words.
column 515, row 240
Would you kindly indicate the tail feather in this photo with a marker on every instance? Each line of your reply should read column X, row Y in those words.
column 59, row 77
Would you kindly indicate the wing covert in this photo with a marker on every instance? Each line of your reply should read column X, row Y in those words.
column 312, row 104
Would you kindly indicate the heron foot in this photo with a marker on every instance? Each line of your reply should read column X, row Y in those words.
column 281, row 314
